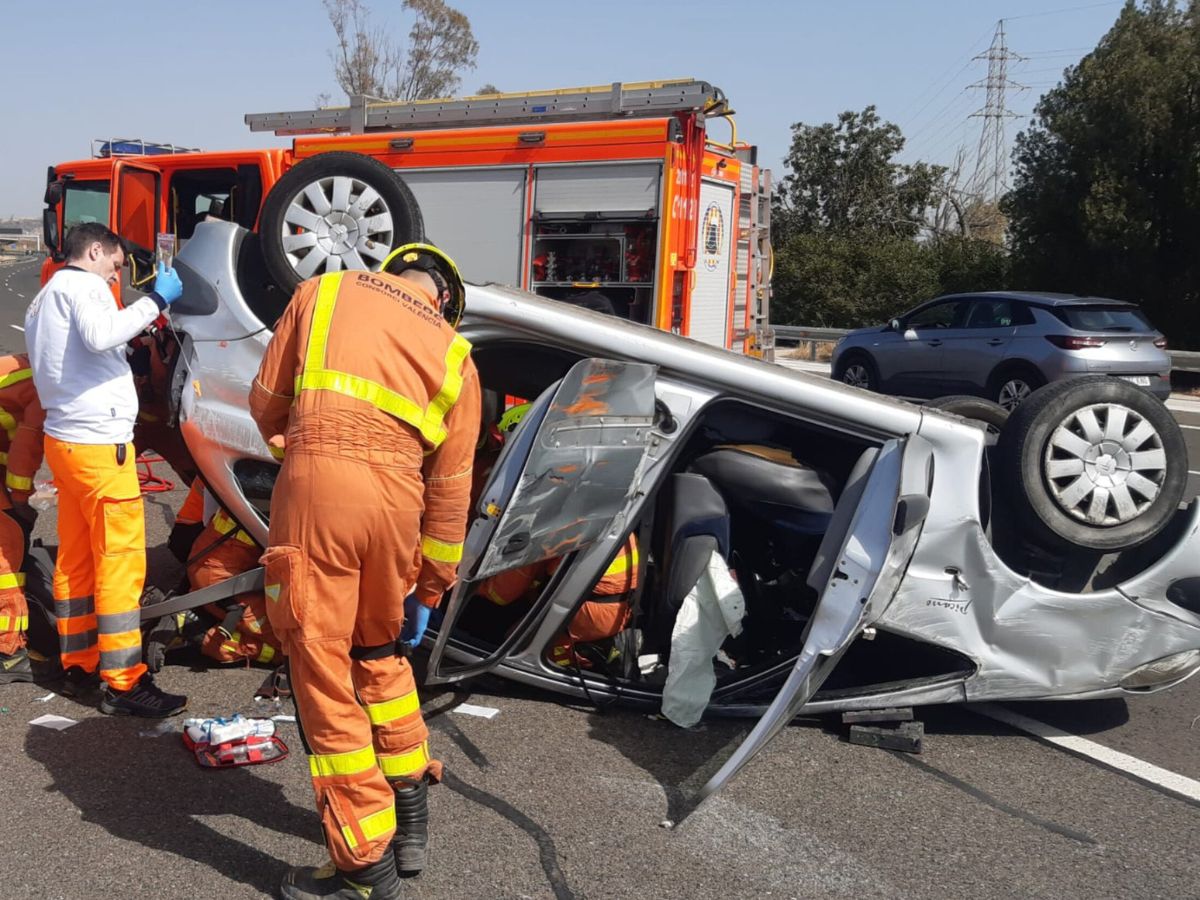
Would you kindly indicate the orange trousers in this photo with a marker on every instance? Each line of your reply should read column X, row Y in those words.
column 14, row 613
column 101, row 567
column 344, row 553
column 253, row 638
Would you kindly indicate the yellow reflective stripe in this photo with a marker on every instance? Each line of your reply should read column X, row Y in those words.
column 621, row 564
column 17, row 482
column 8, row 423
column 14, row 623
column 266, row 654
column 3, row 458
column 272, row 591
column 349, row 763
column 276, row 452
column 440, row 551
column 390, row 710
column 318, row 334
column 12, row 580
column 399, row 765
column 224, row 523
column 368, row 391
column 452, row 383
column 15, row 378
column 373, row 827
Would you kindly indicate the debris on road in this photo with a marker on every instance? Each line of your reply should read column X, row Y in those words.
column 470, row 709
column 58, row 723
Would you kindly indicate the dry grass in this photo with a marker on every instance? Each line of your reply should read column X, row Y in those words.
column 824, row 352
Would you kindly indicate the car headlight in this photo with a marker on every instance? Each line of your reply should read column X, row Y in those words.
column 1163, row 672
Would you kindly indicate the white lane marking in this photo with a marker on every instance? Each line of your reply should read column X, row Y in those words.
column 18, row 327
column 1177, row 784
column 1193, row 427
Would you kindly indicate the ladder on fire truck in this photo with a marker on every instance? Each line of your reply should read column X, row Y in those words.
column 616, row 101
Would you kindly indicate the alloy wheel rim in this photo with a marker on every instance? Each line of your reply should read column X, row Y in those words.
column 856, row 375
column 337, row 223
column 1105, row 464
column 1013, row 392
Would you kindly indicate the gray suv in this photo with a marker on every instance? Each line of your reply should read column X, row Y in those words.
column 1003, row 345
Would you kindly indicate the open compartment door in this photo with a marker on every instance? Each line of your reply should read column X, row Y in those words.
column 563, row 482
column 858, row 569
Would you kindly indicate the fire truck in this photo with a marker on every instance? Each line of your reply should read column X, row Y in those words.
column 615, row 197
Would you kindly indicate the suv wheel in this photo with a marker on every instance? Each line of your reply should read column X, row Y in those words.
column 857, row 370
column 336, row 211
column 1011, row 387
column 1096, row 463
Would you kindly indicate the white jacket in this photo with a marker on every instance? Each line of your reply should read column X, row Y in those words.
column 76, row 337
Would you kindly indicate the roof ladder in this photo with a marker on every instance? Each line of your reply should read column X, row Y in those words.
column 616, row 101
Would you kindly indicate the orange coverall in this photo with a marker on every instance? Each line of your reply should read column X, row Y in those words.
column 602, row 616
column 379, row 402
column 21, row 418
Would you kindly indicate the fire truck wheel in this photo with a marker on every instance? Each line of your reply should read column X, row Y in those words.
column 336, row 211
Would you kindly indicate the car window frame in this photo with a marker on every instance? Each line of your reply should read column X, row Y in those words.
column 954, row 316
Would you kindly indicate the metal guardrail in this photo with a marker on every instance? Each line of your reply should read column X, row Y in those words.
column 1181, row 360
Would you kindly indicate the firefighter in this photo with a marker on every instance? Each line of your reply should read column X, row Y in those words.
column 21, row 418
column 378, row 402
column 76, row 336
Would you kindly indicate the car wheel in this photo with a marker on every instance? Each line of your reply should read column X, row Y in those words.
column 1011, row 387
column 1094, row 462
column 857, row 370
column 336, row 211
column 992, row 415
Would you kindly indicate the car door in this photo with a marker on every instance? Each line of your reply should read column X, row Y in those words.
column 975, row 344
column 916, row 359
column 560, row 490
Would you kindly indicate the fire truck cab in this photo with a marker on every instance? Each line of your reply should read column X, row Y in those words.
column 615, row 197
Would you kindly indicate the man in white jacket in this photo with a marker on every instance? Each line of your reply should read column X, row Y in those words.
column 76, row 335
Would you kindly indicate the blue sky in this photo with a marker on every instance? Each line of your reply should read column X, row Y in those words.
column 188, row 72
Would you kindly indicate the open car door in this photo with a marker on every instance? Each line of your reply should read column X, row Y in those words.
column 134, row 214
column 560, row 489
column 857, row 571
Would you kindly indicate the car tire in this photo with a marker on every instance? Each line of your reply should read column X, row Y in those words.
column 857, row 370
column 993, row 415
column 1011, row 385
column 1093, row 462
column 336, row 211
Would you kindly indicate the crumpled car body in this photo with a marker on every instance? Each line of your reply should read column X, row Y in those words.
column 900, row 597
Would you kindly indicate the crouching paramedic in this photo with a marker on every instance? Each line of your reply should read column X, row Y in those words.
column 76, row 336
column 379, row 403
column 21, row 418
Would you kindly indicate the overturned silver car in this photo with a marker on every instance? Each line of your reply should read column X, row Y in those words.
column 888, row 554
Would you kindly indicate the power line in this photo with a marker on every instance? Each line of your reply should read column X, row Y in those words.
column 1067, row 9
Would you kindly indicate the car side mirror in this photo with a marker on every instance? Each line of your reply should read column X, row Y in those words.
column 50, row 233
column 54, row 193
column 894, row 325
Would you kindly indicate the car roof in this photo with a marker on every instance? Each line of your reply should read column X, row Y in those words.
column 1039, row 298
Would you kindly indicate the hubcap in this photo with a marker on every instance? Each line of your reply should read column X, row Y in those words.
column 856, row 375
column 1012, row 392
column 1105, row 464
column 337, row 223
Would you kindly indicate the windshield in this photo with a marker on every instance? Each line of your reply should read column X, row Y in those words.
column 1103, row 318
column 85, row 201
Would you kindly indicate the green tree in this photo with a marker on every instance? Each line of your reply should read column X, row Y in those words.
column 368, row 60
column 1106, row 197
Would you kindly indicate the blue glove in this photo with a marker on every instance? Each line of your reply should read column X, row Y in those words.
column 167, row 284
column 416, row 620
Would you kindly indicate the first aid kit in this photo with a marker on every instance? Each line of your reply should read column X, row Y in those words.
column 219, row 743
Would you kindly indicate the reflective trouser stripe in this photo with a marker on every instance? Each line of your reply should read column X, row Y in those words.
column 400, row 765
column 351, row 762
column 76, row 606
column 14, row 623
column 440, row 551
column 120, row 640
column 12, row 580
column 74, row 643
column 373, row 827
column 391, row 710
column 17, row 482
column 223, row 524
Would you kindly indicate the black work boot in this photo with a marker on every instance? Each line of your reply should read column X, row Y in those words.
column 411, row 842
column 145, row 699
column 79, row 684
column 377, row 881
column 15, row 666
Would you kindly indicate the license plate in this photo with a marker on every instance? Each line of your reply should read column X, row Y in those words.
column 1139, row 380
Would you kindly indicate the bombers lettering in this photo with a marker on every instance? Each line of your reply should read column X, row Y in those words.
column 418, row 307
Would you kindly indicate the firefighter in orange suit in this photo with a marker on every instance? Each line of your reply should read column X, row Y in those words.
column 21, row 418
column 379, row 404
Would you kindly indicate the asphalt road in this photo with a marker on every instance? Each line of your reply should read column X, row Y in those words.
column 547, row 800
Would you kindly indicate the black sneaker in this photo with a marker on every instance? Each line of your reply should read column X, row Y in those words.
column 376, row 882
column 145, row 699
column 15, row 667
column 78, row 684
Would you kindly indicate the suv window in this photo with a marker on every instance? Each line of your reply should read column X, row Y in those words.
column 1103, row 318
column 85, row 201
column 940, row 315
column 990, row 314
